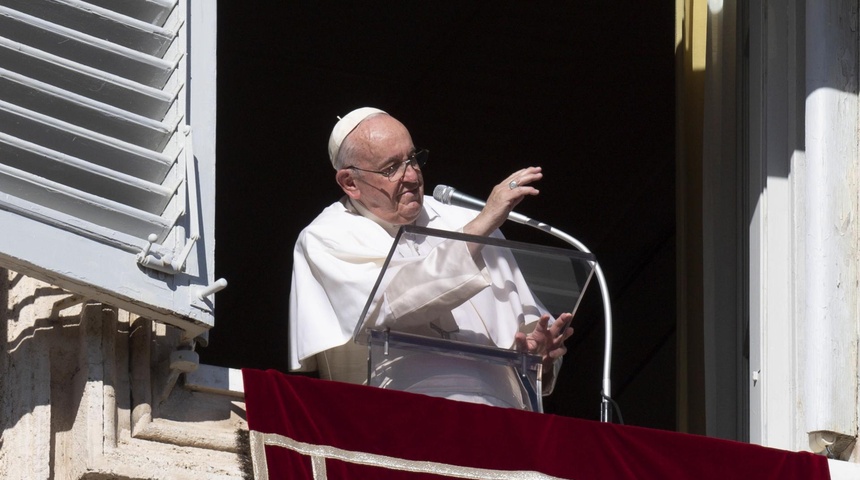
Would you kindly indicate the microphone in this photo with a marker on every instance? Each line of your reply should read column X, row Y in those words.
column 450, row 196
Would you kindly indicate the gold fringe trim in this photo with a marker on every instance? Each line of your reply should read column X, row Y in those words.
column 319, row 453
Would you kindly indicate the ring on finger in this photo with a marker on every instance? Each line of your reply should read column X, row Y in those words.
column 513, row 184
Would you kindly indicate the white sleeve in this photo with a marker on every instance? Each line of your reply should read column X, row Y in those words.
column 427, row 287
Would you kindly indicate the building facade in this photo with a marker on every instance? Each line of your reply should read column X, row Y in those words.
column 107, row 164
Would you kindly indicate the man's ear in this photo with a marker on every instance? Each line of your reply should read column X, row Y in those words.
column 346, row 180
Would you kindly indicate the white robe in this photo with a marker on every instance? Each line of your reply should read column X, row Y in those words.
column 339, row 256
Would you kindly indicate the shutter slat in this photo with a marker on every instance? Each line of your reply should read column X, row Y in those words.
column 84, row 112
column 155, row 12
column 91, row 146
column 85, row 206
column 99, row 22
column 85, row 49
column 85, row 81
column 68, row 223
column 84, row 176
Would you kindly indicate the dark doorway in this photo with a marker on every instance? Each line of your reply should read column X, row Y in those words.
column 584, row 89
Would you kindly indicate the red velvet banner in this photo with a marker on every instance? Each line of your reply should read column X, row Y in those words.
column 303, row 428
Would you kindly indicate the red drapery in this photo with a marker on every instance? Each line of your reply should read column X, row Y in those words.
column 303, row 428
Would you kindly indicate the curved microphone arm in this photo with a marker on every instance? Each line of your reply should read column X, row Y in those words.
column 606, row 393
column 450, row 196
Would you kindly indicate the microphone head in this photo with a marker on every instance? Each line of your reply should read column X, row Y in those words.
column 442, row 193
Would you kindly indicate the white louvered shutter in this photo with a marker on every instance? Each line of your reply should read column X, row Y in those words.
column 99, row 102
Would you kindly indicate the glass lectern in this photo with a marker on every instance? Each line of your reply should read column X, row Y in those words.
column 443, row 312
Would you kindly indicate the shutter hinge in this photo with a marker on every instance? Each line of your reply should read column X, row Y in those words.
column 167, row 263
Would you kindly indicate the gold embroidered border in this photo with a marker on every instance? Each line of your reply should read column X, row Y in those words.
column 319, row 453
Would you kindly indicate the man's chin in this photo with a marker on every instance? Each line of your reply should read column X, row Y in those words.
column 410, row 212
column 412, row 200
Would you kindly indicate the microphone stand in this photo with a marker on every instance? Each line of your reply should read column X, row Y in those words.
column 606, row 392
column 449, row 196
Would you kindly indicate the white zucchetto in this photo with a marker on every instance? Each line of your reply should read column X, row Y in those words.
column 345, row 126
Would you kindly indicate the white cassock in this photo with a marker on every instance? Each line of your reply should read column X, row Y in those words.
column 436, row 289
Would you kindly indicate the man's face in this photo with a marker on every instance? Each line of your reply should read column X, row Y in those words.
column 386, row 142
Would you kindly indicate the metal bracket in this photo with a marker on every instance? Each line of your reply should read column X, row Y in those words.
column 167, row 263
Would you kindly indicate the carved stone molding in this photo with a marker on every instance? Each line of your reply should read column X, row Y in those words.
column 81, row 396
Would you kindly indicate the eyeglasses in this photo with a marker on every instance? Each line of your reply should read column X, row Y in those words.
column 395, row 172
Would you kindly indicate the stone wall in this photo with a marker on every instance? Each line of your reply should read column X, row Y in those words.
column 86, row 391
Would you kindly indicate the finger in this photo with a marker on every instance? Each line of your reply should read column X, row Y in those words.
column 558, row 325
column 521, row 342
column 543, row 321
column 568, row 332
column 523, row 177
column 524, row 171
column 523, row 187
column 557, row 353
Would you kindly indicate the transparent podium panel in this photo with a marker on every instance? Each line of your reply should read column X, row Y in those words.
column 507, row 377
column 442, row 315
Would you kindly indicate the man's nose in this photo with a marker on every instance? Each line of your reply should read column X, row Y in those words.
column 411, row 173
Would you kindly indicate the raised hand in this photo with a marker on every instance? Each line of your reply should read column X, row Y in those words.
column 502, row 200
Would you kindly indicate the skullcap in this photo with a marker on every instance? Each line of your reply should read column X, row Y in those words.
column 345, row 126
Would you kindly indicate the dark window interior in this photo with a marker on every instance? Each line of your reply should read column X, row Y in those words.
column 583, row 89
